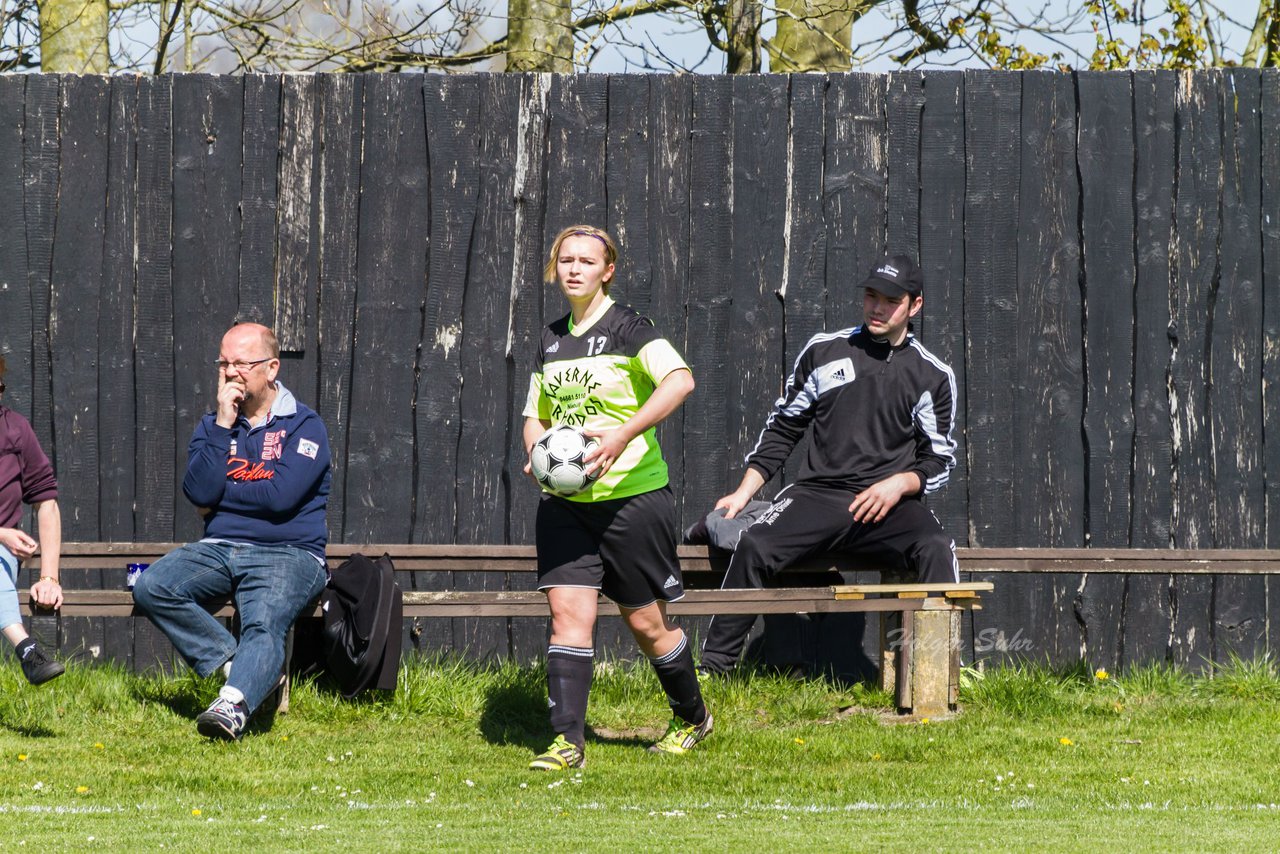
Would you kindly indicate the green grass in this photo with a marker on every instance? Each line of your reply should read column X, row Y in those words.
column 1039, row 760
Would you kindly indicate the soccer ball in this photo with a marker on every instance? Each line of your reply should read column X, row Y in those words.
column 557, row 460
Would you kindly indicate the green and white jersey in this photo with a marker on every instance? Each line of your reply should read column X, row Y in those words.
column 596, row 375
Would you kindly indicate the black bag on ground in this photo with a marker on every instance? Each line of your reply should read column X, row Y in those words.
column 363, row 610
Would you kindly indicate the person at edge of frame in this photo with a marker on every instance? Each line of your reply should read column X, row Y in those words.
column 26, row 476
column 880, row 409
column 605, row 369
column 258, row 473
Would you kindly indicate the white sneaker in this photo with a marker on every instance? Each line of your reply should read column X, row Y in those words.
column 223, row 720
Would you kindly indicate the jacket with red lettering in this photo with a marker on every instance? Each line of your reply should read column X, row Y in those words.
column 266, row 485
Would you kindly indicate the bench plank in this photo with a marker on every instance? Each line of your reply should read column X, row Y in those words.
column 510, row 603
column 699, row 559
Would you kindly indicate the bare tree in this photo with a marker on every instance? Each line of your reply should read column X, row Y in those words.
column 739, row 36
column 539, row 35
column 815, row 35
column 73, row 36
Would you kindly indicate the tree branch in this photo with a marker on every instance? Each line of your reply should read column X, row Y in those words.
column 163, row 48
column 497, row 47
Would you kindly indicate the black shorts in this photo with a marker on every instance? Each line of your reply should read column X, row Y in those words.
column 623, row 547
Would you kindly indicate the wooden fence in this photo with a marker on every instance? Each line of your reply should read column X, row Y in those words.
column 1098, row 251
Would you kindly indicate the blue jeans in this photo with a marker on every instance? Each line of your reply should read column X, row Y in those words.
column 9, row 613
column 270, row 585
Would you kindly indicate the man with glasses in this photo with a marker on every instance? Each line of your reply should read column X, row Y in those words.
column 258, row 472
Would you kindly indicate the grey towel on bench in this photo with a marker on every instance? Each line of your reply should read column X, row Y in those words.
column 721, row 533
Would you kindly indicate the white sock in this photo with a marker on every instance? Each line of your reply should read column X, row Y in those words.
column 231, row 694
column 226, row 670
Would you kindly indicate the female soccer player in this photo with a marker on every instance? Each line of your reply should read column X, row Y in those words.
column 605, row 369
column 27, row 476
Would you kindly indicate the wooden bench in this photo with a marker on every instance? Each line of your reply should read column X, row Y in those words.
column 918, row 658
column 920, row 640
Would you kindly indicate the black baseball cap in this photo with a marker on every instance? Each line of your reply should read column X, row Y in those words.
column 896, row 275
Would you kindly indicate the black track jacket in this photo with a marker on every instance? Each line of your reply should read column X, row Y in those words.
column 875, row 410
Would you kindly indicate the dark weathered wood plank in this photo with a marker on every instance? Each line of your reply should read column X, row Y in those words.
column 207, row 117
column 1048, row 455
column 391, row 286
column 296, row 256
column 1148, row 603
column 483, row 470
column 992, row 124
column 803, row 289
column 1154, row 208
column 1106, row 180
column 756, row 264
column 156, row 438
column 15, row 295
column 454, row 154
column 342, row 131
column 757, row 259
column 524, row 325
column 156, row 431
column 1197, row 229
column 942, row 258
column 1106, row 169
column 39, row 207
column 1195, row 287
column 1049, row 402
column 1270, row 239
column 904, row 106
column 1236, row 363
column 73, row 319
column 578, row 112
column 711, row 220
column 116, row 432
column 854, row 190
column 73, row 322
column 260, row 167
column 526, row 289
column 454, row 168
column 992, row 116
column 627, row 177
column 668, row 161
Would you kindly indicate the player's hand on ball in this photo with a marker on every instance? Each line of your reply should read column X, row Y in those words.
column 558, row 460
column 612, row 444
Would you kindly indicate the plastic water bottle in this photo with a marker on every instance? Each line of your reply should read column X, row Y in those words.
column 135, row 569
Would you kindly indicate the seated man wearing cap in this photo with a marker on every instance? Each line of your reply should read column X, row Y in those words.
column 880, row 409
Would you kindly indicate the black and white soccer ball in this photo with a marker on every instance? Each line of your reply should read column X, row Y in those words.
column 558, row 460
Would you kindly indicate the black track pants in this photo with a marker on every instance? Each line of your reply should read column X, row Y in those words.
column 807, row 520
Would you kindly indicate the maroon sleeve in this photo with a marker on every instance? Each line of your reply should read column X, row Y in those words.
column 38, row 480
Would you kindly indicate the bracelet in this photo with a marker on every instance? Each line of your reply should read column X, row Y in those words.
column 50, row 578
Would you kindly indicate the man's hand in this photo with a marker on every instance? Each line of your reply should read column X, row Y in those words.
column 230, row 393
column 733, row 503
column 18, row 542
column 47, row 593
column 872, row 504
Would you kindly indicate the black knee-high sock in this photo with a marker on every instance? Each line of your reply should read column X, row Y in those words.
column 568, row 684
column 680, row 681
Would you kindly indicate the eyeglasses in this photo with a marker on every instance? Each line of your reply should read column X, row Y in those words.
column 241, row 367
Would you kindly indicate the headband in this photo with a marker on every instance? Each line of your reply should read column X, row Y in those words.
column 590, row 234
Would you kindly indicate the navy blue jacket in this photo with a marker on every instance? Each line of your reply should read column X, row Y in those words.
column 266, row 485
